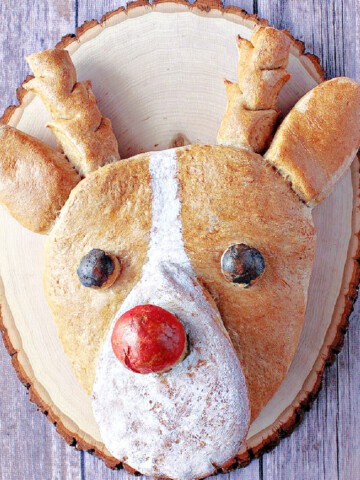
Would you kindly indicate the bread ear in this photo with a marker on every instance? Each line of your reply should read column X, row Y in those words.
column 319, row 138
column 35, row 180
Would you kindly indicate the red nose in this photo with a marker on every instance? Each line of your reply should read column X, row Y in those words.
column 149, row 339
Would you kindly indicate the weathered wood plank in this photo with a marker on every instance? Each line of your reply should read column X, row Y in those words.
column 93, row 9
column 351, row 50
column 26, row 28
column 29, row 445
column 311, row 452
column 328, row 29
column 247, row 5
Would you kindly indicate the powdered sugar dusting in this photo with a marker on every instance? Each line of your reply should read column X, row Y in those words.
column 183, row 423
column 166, row 243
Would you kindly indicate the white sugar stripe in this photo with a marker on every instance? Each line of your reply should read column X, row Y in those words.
column 166, row 242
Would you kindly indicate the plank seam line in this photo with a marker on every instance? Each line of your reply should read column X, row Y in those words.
column 337, row 420
column 76, row 8
column 261, row 468
column 82, row 465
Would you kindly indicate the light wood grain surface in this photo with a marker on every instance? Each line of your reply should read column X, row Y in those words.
column 327, row 444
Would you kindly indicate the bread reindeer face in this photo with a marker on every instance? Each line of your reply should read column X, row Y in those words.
column 169, row 217
column 200, row 255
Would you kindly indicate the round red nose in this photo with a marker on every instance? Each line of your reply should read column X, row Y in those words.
column 149, row 339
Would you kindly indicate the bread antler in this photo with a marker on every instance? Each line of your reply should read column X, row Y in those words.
column 251, row 113
column 85, row 135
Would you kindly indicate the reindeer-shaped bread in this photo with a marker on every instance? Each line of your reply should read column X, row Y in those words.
column 178, row 279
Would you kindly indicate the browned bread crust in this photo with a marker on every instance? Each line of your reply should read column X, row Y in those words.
column 232, row 196
column 35, row 180
column 244, row 128
column 318, row 139
column 262, row 67
column 85, row 135
column 251, row 114
column 108, row 210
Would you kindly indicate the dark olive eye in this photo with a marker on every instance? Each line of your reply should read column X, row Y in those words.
column 98, row 269
column 242, row 264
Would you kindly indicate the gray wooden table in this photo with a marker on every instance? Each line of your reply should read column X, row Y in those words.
column 327, row 444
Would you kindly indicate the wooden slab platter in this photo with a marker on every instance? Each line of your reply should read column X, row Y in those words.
column 158, row 73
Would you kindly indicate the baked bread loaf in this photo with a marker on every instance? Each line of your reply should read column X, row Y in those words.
column 264, row 321
column 251, row 112
column 85, row 135
column 35, row 180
